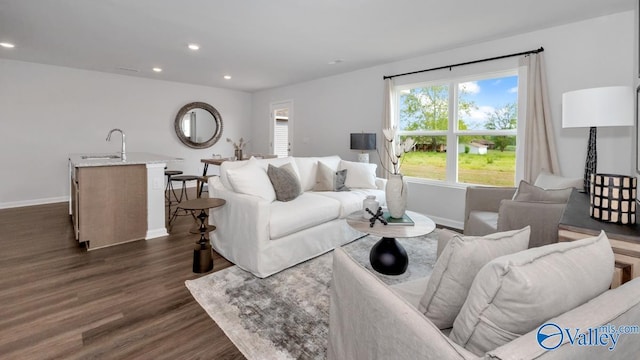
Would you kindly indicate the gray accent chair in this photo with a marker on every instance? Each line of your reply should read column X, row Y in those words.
column 490, row 209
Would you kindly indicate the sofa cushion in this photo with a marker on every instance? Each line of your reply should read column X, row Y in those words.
column 303, row 212
column 528, row 192
column 359, row 175
column 514, row 294
column 251, row 179
column 482, row 223
column 547, row 180
column 352, row 201
column 285, row 182
column 457, row 266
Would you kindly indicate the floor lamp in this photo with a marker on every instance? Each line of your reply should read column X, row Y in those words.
column 363, row 142
column 593, row 108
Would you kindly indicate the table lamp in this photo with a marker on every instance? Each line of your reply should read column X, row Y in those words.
column 363, row 142
column 596, row 107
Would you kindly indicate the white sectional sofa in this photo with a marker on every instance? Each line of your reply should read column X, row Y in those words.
column 265, row 236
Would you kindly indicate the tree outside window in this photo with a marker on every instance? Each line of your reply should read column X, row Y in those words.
column 480, row 148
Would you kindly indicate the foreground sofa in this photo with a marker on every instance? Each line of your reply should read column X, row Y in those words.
column 265, row 236
column 371, row 320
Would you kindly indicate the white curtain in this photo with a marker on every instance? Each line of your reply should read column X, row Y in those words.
column 539, row 144
column 388, row 109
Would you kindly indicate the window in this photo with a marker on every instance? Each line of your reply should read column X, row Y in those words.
column 466, row 130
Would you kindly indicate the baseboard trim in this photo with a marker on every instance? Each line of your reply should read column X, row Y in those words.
column 156, row 233
column 16, row 204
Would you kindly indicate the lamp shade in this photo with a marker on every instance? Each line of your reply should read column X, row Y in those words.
column 596, row 107
column 363, row 141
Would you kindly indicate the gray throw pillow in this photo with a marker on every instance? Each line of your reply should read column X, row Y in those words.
column 528, row 192
column 340, row 179
column 285, row 182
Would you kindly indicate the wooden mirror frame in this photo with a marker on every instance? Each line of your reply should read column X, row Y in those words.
column 216, row 117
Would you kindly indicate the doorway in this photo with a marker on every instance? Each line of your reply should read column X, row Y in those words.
column 282, row 128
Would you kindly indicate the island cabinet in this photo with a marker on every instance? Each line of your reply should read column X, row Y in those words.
column 109, row 204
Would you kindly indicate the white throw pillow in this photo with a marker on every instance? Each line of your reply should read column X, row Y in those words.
column 251, row 179
column 457, row 266
column 547, row 180
column 359, row 175
column 514, row 294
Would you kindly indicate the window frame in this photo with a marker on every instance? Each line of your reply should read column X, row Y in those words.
column 452, row 133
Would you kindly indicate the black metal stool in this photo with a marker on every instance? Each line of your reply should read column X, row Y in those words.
column 183, row 194
column 168, row 190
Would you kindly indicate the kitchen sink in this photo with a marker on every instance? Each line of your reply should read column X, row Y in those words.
column 100, row 157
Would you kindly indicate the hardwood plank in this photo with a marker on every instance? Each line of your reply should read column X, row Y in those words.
column 124, row 301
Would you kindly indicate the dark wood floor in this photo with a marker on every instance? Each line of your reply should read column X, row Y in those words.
column 124, row 302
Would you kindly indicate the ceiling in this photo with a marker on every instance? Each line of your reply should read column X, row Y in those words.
column 260, row 43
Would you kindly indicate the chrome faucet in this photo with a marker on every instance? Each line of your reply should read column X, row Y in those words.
column 124, row 153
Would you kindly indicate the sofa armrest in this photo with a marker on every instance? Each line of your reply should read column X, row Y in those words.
column 543, row 217
column 244, row 218
column 381, row 183
column 617, row 307
column 484, row 198
column 368, row 320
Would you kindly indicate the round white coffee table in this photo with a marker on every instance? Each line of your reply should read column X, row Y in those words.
column 387, row 256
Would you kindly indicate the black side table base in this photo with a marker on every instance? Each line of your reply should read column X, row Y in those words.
column 388, row 257
column 202, row 259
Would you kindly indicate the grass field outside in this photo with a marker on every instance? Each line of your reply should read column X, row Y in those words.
column 496, row 168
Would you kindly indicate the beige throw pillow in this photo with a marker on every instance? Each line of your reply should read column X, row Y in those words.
column 457, row 266
column 514, row 294
column 528, row 192
column 324, row 178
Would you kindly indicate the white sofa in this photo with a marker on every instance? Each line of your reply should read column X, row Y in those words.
column 264, row 236
column 371, row 320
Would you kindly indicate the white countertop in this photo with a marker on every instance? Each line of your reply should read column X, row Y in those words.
column 133, row 158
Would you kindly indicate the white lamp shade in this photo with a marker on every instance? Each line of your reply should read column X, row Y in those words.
column 604, row 106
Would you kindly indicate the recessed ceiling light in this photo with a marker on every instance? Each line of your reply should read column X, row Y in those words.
column 194, row 46
column 227, row 77
column 7, row 45
column 157, row 69
column 336, row 61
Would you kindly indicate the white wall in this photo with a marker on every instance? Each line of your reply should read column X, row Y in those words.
column 591, row 53
column 48, row 112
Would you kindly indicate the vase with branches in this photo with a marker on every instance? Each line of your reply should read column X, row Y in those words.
column 396, row 191
column 238, row 146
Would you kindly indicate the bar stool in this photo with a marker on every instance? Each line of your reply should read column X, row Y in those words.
column 183, row 194
column 168, row 190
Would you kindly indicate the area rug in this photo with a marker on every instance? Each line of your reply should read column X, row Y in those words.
column 286, row 316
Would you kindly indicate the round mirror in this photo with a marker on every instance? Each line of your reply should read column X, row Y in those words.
column 198, row 125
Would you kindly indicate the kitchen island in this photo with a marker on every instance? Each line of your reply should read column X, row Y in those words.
column 114, row 201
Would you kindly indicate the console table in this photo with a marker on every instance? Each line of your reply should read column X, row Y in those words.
column 625, row 239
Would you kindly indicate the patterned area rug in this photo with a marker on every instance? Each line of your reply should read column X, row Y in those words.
column 286, row 316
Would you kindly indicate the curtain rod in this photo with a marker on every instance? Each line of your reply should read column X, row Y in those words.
column 541, row 49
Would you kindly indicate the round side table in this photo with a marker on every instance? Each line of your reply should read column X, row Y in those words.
column 388, row 256
column 202, row 257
